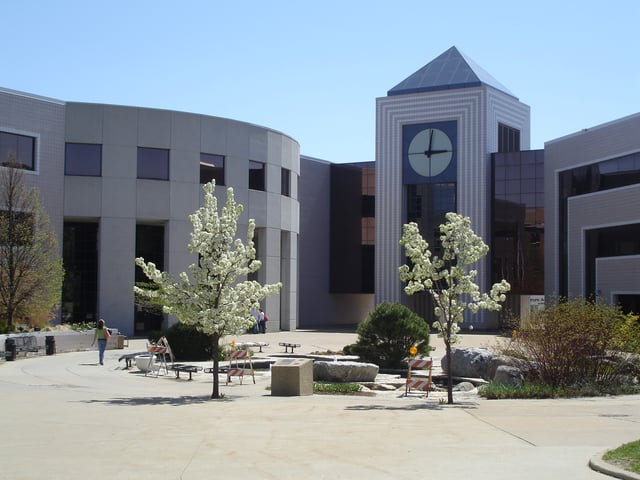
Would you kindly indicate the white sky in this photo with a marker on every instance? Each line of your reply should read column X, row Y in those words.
column 314, row 69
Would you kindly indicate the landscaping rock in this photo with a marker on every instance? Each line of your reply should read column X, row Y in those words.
column 469, row 362
column 463, row 387
column 344, row 371
column 500, row 360
column 508, row 376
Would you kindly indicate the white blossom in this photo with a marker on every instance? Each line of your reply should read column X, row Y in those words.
column 213, row 296
column 449, row 279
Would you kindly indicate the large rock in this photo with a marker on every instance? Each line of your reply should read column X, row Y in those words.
column 471, row 362
column 344, row 371
column 509, row 376
column 525, row 367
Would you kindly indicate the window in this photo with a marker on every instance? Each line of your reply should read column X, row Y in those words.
column 508, row 139
column 285, row 175
column 368, row 206
column 17, row 150
column 153, row 163
column 211, row 168
column 80, row 258
column 150, row 246
column 518, row 221
column 256, row 175
column 83, row 159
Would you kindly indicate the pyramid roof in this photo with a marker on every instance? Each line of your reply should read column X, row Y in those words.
column 450, row 70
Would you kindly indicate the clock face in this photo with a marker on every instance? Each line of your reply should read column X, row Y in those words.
column 430, row 152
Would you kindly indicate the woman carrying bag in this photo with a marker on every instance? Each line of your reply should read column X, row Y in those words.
column 101, row 335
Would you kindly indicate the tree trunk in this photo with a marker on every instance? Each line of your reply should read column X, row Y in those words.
column 449, row 377
column 216, row 365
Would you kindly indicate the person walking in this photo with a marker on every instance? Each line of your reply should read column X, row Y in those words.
column 101, row 335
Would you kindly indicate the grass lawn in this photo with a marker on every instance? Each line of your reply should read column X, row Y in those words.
column 626, row 456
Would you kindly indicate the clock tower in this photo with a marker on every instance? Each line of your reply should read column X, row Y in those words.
column 435, row 132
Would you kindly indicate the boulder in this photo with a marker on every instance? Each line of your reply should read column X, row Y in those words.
column 509, row 376
column 469, row 362
column 500, row 360
column 463, row 387
column 344, row 372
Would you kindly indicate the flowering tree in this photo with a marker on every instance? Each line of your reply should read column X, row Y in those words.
column 448, row 279
column 31, row 271
column 212, row 298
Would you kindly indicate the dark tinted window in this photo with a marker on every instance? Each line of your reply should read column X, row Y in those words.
column 153, row 163
column 517, row 242
column 83, row 159
column 80, row 287
column 508, row 139
column 211, row 168
column 285, row 188
column 256, row 175
column 17, row 150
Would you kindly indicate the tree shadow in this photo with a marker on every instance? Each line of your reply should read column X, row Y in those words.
column 172, row 401
column 414, row 406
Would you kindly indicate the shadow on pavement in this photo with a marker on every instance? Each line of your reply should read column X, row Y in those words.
column 414, row 406
column 144, row 401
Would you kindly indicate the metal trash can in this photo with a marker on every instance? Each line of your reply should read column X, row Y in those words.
column 10, row 349
column 50, row 345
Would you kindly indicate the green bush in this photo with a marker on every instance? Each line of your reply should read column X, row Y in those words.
column 626, row 336
column 336, row 388
column 530, row 390
column 570, row 343
column 187, row 343
column 385, row 336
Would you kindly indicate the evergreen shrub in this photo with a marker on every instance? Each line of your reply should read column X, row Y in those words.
column 385, row 337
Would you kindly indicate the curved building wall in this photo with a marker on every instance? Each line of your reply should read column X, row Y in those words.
column 118, row 202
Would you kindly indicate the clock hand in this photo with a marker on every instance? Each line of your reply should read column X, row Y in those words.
column 428, row 153
column 430, row 141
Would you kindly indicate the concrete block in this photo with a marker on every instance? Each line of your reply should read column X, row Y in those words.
column 292, row 377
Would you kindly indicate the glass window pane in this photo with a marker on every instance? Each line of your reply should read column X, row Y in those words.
column 153, row 163
column 256, row 175
column 83, row 159
column 18, row 150
column 528, row 185
column 211, row 168
column 513, row 186
column 528, row 171
column 285, row 185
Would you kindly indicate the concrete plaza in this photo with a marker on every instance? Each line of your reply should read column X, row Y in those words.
column 65, row 417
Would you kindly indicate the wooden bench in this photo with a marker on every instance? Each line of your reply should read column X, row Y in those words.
column 180, row 367
column 288, row 346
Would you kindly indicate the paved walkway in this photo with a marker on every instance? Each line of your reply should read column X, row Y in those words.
column 64, row 416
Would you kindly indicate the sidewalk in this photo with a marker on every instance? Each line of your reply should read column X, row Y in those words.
column 63, row 416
